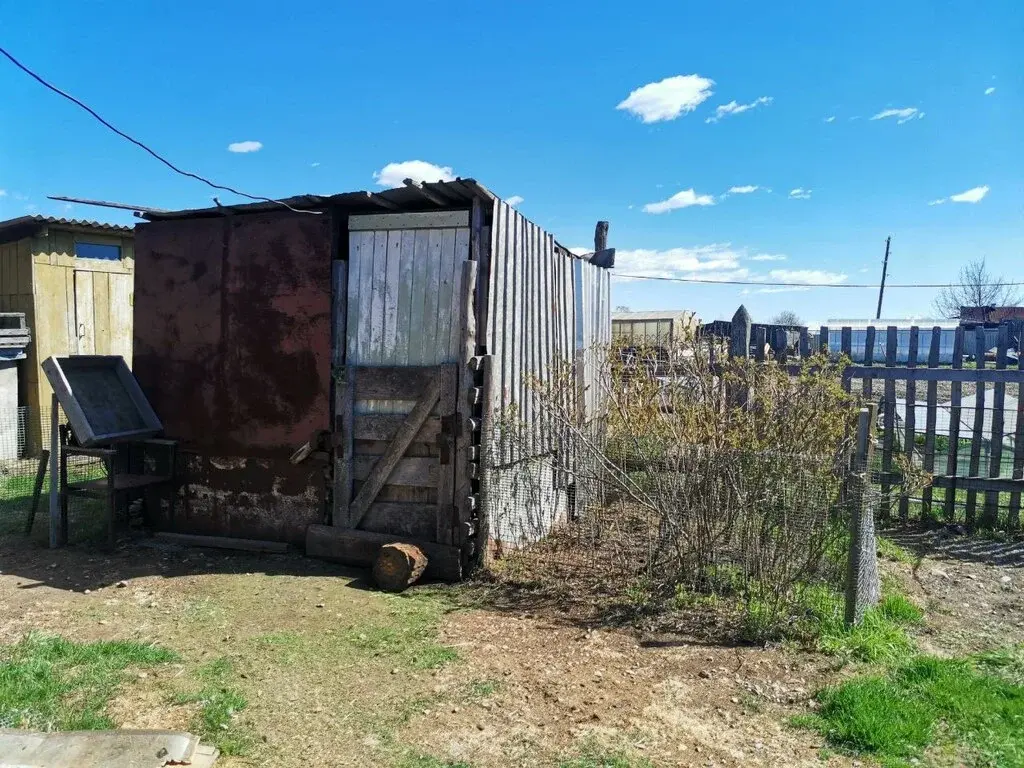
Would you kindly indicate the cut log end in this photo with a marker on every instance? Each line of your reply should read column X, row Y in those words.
column 398, row 566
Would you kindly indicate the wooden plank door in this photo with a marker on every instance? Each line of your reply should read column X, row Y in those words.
column 120, row 315
column 85, row 324
column 396, row 469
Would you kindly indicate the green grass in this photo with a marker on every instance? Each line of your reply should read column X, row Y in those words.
column 881, row 636
column 429, row 761
column 408, row 636
column 219, row 703
column 971, row 707
column 593, row 757
column 52, row 684
column 890, row 550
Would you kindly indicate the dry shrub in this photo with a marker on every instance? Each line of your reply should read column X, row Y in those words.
column 699, row 477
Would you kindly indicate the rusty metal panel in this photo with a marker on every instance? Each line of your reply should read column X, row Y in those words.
column 232, row 349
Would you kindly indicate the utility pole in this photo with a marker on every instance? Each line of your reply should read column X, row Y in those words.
column 885, row 268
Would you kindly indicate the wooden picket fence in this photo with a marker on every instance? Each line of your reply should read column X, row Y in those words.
column 982, row 469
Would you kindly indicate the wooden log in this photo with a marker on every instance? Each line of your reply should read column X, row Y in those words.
column 222, row 542
column 359, row 548
column 398, row 566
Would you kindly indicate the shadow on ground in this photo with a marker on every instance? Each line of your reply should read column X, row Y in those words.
column 944, row 543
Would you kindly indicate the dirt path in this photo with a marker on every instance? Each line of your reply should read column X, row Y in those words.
column 338, row 675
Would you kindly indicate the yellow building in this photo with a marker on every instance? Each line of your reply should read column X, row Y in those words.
column 74, row 281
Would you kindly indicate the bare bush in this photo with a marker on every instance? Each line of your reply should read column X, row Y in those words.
column 699, row 475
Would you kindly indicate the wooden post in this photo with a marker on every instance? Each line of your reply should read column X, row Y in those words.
column 909, row 417
column 600, row 236
column 846, row 349
column 862, row 584
column 990, row 515
column 466, row 403
column 978, row 432
column 888, row 420
column 869, row 360
column 37, row 490
column 54, row 472
column 955, row 396
column 930, row 422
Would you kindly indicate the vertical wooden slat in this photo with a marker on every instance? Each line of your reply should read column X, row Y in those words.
column 978, row 431
column 501, row 264
column 990, row 516
column 404, row 315
column 888, row 418
column 955, row 394
column 432, row 288
column 1013, row 514
column 364, row 326
column 448, row 408
column 910, row 418
column 759, row 342
column 356, row 256
column 869, row 360
column 421, row 286
column 378, row 289
column 529, row 332
column 516, row 325
column 846, row 348
column 462, row 254
column 547, row 319
column 931, row 401
column 392, row 277
column 805, row 344
column 823, row 345
column 446, row 285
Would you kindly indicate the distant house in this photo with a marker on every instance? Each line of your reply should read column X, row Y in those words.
column 73, row 280
column 990, row 315
column 657, row 330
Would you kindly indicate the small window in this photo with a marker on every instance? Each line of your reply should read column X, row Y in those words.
column 98, row 251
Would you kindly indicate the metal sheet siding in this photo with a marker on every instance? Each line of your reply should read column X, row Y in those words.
column 232, row 347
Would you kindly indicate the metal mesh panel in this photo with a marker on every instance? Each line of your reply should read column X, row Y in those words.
column 19, row 465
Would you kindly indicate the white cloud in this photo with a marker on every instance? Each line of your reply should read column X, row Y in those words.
column 972, row 195
column 245, row 146
column 68, row 207
column 394, row 174
column 800, row 193
column 669, row 98
column 806, row 276
column 830, row 119
column 314, row 165
column 3, row 193
column 768, row 257
column 990, row 90
column 901, row 115
column 683, row 199
column 717, row 261
column 746, row 189
column 514, row 200
column 732, row 108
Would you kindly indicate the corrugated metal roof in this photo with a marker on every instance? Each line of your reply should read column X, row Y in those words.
column 412, row 197
column 658, row 314
column 35, row 222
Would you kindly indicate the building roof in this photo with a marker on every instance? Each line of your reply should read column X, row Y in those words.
column 899, row 322
column 428, row 196
column 27, row 226
column 658, row 314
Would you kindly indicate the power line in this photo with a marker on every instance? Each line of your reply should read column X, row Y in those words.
column 776, row 284
column 142, row 146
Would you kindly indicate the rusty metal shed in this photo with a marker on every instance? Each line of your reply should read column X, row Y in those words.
column 390, row 330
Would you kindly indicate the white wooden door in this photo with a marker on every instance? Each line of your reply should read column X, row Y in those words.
column 85, row 313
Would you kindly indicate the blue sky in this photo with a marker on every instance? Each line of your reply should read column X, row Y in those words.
column 547, row 102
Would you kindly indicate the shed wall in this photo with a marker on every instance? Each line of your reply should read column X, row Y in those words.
column 544, row 307
column 232, row 348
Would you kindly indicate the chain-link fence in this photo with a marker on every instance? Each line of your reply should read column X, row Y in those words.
column 24, row 435
column 617, row 520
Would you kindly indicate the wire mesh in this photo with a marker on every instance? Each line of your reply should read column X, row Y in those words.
column 24, row 434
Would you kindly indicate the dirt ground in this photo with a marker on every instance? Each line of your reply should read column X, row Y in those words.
column 339, row 675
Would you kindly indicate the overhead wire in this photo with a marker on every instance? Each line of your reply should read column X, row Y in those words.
column 779, row 284
column 141, row 145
